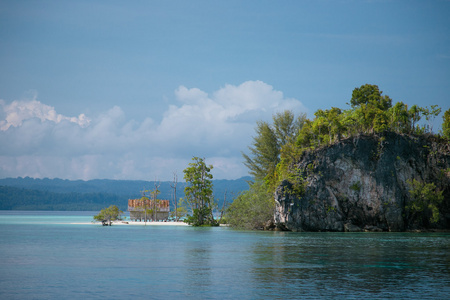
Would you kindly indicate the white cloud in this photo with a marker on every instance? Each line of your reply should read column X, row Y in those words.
column 39, row 142
column 20, row 110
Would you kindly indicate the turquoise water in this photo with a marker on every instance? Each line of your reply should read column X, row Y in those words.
column 43, row 256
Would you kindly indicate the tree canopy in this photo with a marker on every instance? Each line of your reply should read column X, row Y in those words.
column 251, row 209
column 446, row 125
column 270, row 138
column 109, row 214
column 199, row 192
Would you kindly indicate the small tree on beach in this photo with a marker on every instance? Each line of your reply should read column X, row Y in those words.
column 109, row 214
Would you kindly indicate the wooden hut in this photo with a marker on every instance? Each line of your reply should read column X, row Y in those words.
column 148, row 210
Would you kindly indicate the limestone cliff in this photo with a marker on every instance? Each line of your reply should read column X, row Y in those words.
column 360, row 183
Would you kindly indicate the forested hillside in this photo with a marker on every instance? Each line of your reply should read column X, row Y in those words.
column 57, row 194
column 13, row 198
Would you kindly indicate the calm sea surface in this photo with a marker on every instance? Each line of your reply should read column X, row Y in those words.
column 44, row 256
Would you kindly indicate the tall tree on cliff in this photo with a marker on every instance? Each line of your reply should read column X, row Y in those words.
column 446, row 124
column 371, row 108
column 270, row 138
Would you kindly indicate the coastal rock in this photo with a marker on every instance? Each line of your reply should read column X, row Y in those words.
column 349, row 227
column 362, row 182
column 369, row 228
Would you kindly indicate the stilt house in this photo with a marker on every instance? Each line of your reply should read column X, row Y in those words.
column 152, row 210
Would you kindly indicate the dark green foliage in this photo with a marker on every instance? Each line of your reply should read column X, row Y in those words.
column 268, row 142
column 356, row 186
column 370, row 94
column 371, row 112
column 77, row 195
column 112, row 213
column 446, row 125
column 13, row 198
column 430, row 114
column 252, row 209
column 264, row 152
column 425, row 198
column 199, row 193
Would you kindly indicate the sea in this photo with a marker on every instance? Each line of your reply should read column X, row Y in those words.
column 62, row 255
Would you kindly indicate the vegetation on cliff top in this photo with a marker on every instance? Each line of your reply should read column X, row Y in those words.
column 276, row 147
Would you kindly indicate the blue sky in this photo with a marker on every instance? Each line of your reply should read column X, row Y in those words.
column 134, row 89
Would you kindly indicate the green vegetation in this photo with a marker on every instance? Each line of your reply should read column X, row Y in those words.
column 446, row 125
column 93, row 195
column 109, row 214
column 181, row 212
column 15, row 198
column 269, row 142
column 278, row 146
column 356, row 186
column 371, row 112
column 251, row 209
column 199, row 193
column 425, row 196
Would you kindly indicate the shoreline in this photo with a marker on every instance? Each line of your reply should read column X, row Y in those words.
column 134, row 223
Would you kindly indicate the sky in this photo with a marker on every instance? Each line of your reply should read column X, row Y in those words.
column 135, row 89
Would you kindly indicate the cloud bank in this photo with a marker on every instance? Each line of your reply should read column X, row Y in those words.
column 38, row 142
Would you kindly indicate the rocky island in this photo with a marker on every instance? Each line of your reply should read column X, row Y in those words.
column 376, row 166
column 364, row 183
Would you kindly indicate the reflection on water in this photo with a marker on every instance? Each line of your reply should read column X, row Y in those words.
column 339, row 264
column 198, row 265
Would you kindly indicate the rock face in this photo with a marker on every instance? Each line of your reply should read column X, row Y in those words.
column 360, row 184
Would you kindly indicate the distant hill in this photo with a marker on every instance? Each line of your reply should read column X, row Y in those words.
column 58, row 194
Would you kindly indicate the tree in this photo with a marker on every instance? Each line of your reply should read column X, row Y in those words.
column 399, row 118
column 109, row 214
column 446, row 124
column 252, row 209
column 286, row 127
column 154, row 194
column 414, row 114
column 180, row 212
column 370, row 94
column 305, row 137
column 144, row 201
column 336, row 126
column 265, row 150
column 371, row 107
column 222, row 210
column 425, row 199
column 173, row 185
column 430, row 114
column 198, row 192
